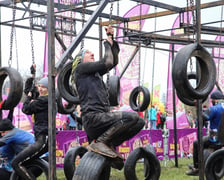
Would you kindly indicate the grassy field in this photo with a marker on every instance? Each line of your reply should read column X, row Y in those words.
column 168, row 171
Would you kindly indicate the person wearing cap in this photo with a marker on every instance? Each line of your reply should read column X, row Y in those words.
column 38, row 108
column 13, row 140
column 105, row 129
column 214, row 116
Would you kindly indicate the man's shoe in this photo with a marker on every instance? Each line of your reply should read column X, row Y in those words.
column 193, row 172
column 117, row 153
column 103, row 149
column 117, row 161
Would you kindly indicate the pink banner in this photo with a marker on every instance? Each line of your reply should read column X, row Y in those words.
column 185, row 139
column 130, row 79
column 180, row 111
column 219, row 52
column 67, row 139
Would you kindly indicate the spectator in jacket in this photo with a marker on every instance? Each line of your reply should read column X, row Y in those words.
column 213, row 115
column 13, row 140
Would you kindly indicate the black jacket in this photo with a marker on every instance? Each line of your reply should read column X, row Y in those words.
column 39, row 108
column 91, row 88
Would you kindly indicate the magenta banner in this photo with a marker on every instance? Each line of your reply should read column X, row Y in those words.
column 219, row 53
column 67, row 139
column 185, row 139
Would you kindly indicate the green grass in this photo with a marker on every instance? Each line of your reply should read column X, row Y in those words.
column 168, row 171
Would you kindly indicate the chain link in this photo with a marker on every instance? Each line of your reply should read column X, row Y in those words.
column 11, row 34
column 17, row 57
column 108, row 73
column 31, row 37
column 111, row 11
column 194, row 18
column 83, row 20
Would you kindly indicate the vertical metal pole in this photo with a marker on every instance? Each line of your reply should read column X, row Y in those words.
column 174, row 117
column 198, row 21
column 100, row 39
column 199, row 102
column 51, row 92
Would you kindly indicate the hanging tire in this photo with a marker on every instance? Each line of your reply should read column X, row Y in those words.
column 64, row 84
column 68, row 109
column 133, row 98
column 153, row 173
column 114, row 90
column 36, row 166
column 207, row 72
column 214, row 166
column 70, row 160
column 93, row 166
column 189, row 101
column 16, row 86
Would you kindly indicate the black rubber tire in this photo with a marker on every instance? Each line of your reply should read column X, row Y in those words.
column 153, row 173
column 207, row 153
column 93, row 166
column 189, row 101
column 214, row 166
column 16, row 86
column 64, row 85
column 70, row 160
column 207, row 70
column 114, row 90
column 147, row 169
column 34, row 166
column 68, row 109
column 133, row 99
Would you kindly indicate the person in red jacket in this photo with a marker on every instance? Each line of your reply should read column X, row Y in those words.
column 158, row 119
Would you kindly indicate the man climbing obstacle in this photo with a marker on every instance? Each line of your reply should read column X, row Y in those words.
column 105, row 129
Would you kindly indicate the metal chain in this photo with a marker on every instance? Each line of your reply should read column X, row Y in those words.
column 17, row 57
column 108, row 73
column 71, row 24
column 111, row 10
column 83, row 21
column 188, row 22
column 11, row 34
column 194, row 28
column 193, row 16
column 31, row 37
column 191, row 65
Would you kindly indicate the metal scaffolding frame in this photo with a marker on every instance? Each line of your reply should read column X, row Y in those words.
column 53, row 32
